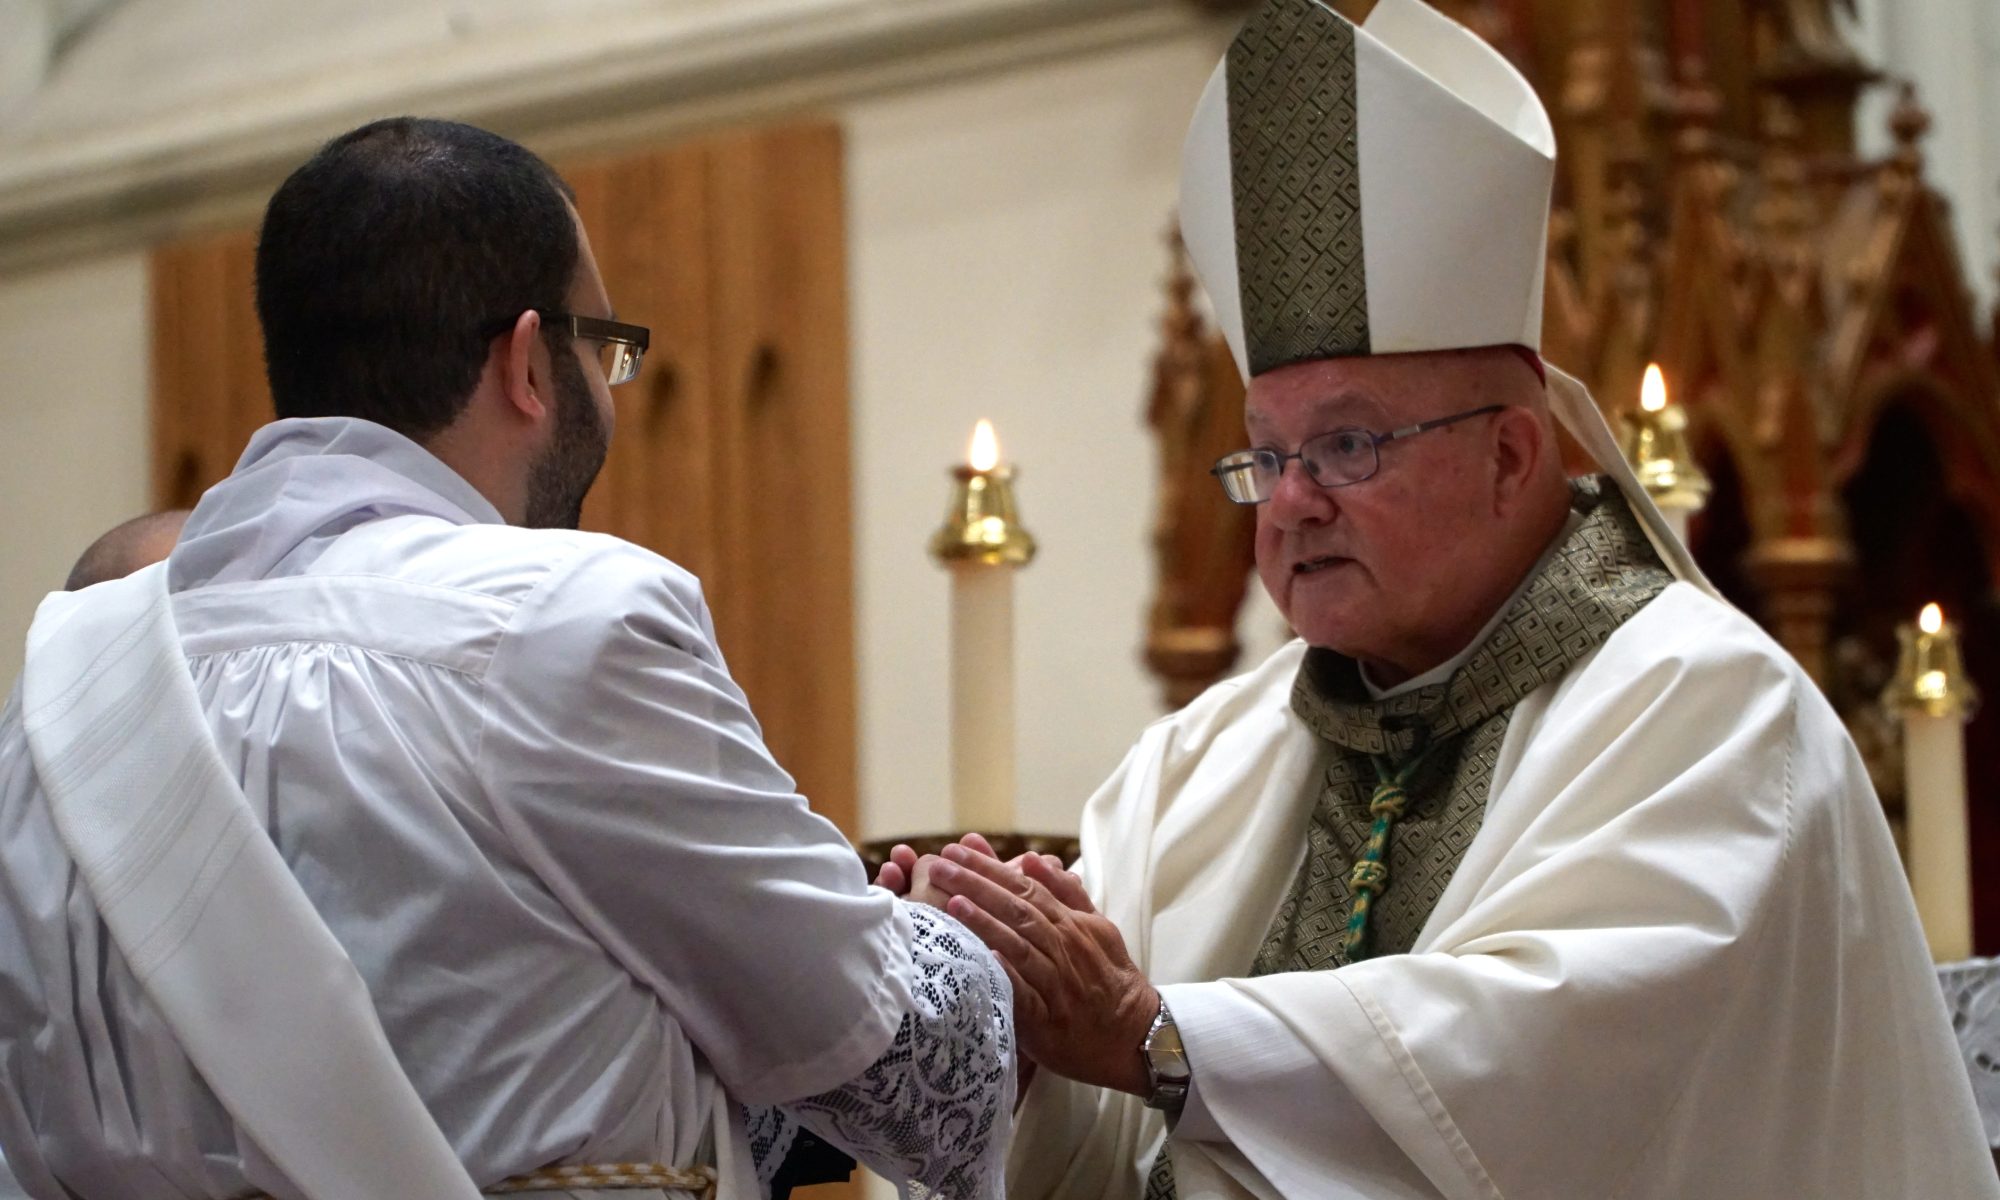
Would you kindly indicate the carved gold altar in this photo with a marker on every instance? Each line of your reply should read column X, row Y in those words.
column 1810, row 310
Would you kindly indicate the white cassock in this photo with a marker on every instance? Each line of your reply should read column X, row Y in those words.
column 510, row 771
column 1679, row 959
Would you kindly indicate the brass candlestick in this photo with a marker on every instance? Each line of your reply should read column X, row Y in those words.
column 1656, row 446
column 1933, row 698
column 1930, row 672
column 982, row 525
column 983, row 545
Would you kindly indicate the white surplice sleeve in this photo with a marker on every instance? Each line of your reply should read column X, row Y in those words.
column 933, row 1110
column 624, row 765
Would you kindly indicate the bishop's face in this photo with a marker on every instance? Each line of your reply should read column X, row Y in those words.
column 1384, row 570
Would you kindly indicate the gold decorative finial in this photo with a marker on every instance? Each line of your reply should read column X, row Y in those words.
column 981, row 526
column 1656, row 446
column 1930, row 673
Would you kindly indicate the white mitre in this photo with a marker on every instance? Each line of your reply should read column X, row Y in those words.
column 1367, row 189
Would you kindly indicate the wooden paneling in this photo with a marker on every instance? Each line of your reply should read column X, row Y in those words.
column 731, row 455
column 209, row 393
column 780, row 310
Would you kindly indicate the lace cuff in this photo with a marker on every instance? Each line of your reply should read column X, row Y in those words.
column 933, row 1112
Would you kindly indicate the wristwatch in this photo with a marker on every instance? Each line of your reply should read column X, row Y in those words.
column 1166, row 1063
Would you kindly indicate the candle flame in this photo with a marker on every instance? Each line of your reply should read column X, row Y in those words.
column 1932, row 619
column 984, row 453
column 1653, row 392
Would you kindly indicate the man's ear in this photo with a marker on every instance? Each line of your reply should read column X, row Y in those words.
column 520, row 375
column 1522, row 444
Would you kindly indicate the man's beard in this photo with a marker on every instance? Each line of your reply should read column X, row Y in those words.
column 562, row 476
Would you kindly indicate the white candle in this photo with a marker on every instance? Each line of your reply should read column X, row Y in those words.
column 1934, row 807
column 982, row 543
column 982, row 696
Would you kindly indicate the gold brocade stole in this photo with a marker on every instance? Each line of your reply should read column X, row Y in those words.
column 1601, row 575
column 1450, row 733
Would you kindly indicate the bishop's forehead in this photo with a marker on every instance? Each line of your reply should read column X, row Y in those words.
column 1366, row 189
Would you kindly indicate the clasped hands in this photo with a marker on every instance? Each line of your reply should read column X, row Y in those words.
column 1081, row 1007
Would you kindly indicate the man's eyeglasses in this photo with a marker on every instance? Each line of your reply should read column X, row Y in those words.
column 1336, row 459
column 620, row 347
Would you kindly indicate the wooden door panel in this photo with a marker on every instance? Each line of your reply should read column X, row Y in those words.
column 209, row 392
column 785, row 575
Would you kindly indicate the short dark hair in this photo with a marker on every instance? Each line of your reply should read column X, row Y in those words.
column 388, row 260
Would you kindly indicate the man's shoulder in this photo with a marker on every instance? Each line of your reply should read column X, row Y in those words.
column 503, row 562
column 429, row 590
column 1695, row 660
column 1686, row 629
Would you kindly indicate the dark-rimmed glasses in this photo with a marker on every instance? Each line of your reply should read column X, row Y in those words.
column 620, row 347
column 1344, row 456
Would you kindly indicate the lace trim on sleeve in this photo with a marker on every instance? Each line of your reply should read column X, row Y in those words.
column 934, row 1111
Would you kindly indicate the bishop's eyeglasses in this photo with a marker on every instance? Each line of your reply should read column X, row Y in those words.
column 620, row 347
column 1346, row 455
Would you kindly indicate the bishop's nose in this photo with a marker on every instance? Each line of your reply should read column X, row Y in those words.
column 1299, row 503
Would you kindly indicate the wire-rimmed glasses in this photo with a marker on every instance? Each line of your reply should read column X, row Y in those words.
column 1338, row 458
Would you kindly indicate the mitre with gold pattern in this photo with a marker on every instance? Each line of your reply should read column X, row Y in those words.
column 1380, row 188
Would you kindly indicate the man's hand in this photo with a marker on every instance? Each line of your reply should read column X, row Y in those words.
column 908, row 875
column 1081, row 1007
column 900, row 872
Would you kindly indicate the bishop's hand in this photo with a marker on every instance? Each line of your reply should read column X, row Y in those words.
column 1081, row 1007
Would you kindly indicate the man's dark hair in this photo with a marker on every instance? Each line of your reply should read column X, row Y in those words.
column 387, row 263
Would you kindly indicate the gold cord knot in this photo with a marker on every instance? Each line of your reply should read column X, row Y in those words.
column 1388, row 800
column 1369, row 876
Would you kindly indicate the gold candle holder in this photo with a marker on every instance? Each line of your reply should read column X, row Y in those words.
column 1930, row 672
column 982, row 525
column 1656, row 446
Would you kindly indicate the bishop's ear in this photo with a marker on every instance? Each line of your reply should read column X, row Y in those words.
column 1523, row 448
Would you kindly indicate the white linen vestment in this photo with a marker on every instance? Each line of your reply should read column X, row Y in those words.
column 1680, row 958
column 512, row 774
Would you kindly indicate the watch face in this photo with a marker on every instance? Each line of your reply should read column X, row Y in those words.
column 1165, row 1054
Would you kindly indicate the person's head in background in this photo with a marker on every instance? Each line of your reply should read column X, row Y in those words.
column 139, row 542
column 421, row 274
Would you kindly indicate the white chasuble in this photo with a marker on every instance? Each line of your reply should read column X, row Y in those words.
column 1679, row 958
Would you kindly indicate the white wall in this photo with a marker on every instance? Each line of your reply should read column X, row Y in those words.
column 1952, row 49
column 74, row 434
column 1008, row 253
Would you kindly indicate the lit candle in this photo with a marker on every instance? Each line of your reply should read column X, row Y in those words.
column 1656, row 446
column 1934, row 699
column 982, row 543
